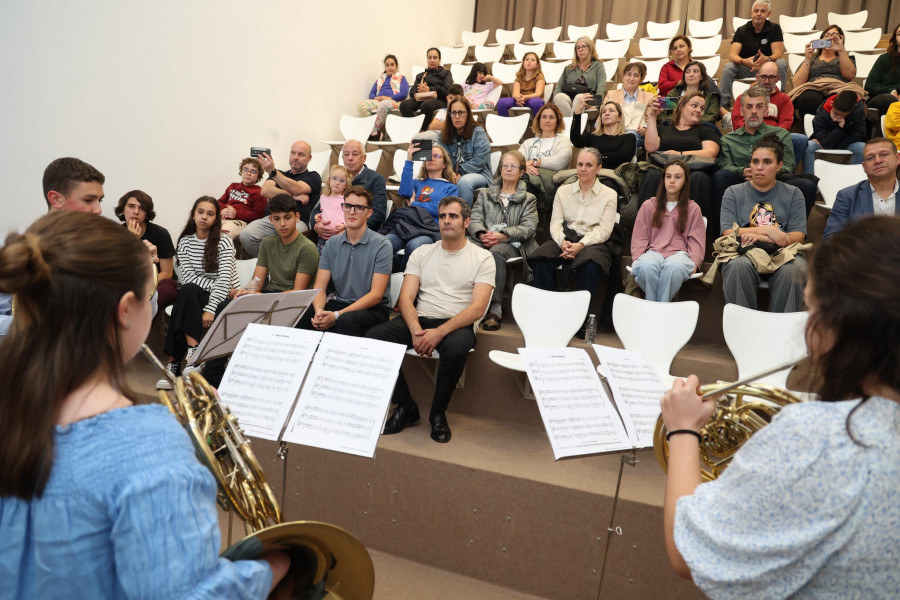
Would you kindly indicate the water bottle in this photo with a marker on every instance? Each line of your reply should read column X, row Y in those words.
column 255, row 284
column 590, row 329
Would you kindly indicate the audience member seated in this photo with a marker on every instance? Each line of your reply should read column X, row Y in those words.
column 669, row 237
column 770, row 216
column 504, row 221
column 135, row 208
column 243, row 202
column 332, row 215
column 755, row 43
column 528, row 88
column 206, row 274
column 584, row 215
column 386, row 94
column 446, row 289
column 354, row 157
column 409, row 227
column 823, row 72
column 545, row 154
column 633, row 100
column 734, row 158
column 301, row 183
column 440, row 115
column 673, row 71
column 876, row 195
column 357, row 265
column 839, row 124
column 695, row 79
column 585, row 75
column 478, row 86
column 883, row 82
column 609, row 137
column 687, row 137
column 429, row 90
column 469, row 148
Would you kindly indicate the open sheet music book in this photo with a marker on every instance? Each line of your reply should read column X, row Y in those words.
column 577, row 412
column 346, row 387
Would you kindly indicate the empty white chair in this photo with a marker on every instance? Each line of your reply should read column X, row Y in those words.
column 862, row 41
column 738, row 88
column 519, row 50
column 611, row 66
column 545, row 36
column 704, row 28
column 400, row 129
column 651, row 48
column 737, row 22
column 712, row 65
column 833, row 178
column 864, row 63
column 506, row 131
column 451, row 55
column 795, row 43
column 245, row 270
column 621, row 32
column 506, row 37
column 489, row 54
column 568, row 122
column 654, row 66
column 611, row 48
column 658, row 329
column 802, row 24
column 574, row 32
column 416, row 69
column 707, row 46
column 460, row 72
column 563, row 51
column 470, row 38
column 663, row 30
column 503, row 71
column 553, row 70
column 851, row 21
column 495, row 160
column 353, row 128
column 794, row 61
column 785, row 340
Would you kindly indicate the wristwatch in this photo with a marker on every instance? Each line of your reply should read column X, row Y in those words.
column 337, row 313
column 273, row 173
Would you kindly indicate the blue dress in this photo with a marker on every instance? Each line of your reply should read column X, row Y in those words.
column 128, row 512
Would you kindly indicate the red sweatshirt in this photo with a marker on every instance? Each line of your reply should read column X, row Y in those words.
column 247, row 201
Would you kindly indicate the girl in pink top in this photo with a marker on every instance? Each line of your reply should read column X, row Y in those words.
column 330, row 202
column 478, row 86
column 669, row 237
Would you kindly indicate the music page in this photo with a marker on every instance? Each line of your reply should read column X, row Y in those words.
column 346, row 396
column 264, row 376
column 577, row 413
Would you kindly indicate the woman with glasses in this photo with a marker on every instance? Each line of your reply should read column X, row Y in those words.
column 388, row 90
column 823, row 72
column 585, row 75
column 504, row 221
column 469, row 149
column 672, row 72
column 548, row 152
column 428, row 92
column 609, row 137
column 243, row 202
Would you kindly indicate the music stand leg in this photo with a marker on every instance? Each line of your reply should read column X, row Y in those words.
column 610, row 530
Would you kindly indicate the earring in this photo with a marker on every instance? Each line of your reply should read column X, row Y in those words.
column 127, row 325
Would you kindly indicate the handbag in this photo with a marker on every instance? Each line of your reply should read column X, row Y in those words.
column 573, row 89
column 694, row 163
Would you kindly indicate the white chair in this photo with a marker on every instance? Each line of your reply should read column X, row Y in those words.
column 707, row 46
column 459, row 72
column 574, row 32
column 738, row 88
column 563, row 51
column 505, row 72
column 489, row 54
column 712, row 65
column 652, row 48
column 704, row 28
column 450, row 55
column 396, row 284
column 862, row 41
column 798, row 24
column 542, row 328
column 553, row 70
column 416, row 69
column 545, row 36
column 882, row 124
column 245, row 270
column 612, row 48
column 833, row 178
column 568, row 122
column 470, row 38
column 785, row 340
column 654, row 66
column 621, row 32
column 506, row 37
column 658, row 329
column 795, row 43
column 495, row 160
column 864, row 63
column 738, row 22
column 353, row 128
column 794, row 61
column 319, row 162
column 851, row 21
column 808, row 125
column 398, row 163
column 611, row 66
column 663, row 30
column 519, row 50
column 400, row 130
column 506, row 131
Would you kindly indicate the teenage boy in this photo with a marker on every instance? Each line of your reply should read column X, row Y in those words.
column 839, row 124
column 243, row 202
column 357, row 262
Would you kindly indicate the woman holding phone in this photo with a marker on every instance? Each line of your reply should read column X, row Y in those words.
column 826, row 63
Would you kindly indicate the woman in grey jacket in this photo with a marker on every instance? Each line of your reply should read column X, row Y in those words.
column 586, row 75
column 504, row 221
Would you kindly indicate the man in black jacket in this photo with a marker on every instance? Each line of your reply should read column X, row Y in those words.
column 839, row 124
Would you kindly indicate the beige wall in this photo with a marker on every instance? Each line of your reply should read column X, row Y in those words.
column 168, row 96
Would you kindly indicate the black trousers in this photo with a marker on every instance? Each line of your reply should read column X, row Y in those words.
column 409, row 107
column 355, row 323
column 187, row 319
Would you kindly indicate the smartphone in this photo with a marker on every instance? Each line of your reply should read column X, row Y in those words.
column 819, row 44
column 667, row 103
column 424, row 151
column 596, row 100
column 257, row 150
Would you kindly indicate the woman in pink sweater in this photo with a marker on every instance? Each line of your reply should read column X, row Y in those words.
column 669, row 237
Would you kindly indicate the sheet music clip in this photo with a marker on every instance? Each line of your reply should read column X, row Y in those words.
column 631, row 459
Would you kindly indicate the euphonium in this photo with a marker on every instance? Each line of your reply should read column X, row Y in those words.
column 327, row 562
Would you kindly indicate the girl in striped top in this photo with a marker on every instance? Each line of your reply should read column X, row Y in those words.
column 206, row 273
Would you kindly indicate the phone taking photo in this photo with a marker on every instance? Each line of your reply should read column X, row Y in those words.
column 667, row 103
column 424, row 151
column 820, row 44
column 257, row 150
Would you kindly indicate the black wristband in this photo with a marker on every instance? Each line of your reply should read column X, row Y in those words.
column 273, row 173
column 677, row 431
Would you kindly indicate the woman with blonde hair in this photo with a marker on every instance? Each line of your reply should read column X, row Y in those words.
column 609, row 137
column 528, row 88
column 585, row 75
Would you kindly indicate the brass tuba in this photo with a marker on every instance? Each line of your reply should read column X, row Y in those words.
column 327, row 562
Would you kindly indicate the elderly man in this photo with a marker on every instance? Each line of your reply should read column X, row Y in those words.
column 301, row 183
column 354, row 156
column 755, row 43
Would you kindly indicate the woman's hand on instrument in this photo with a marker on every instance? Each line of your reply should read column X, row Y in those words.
column 683, row 408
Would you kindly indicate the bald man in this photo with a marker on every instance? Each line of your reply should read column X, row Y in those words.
column 301, row 183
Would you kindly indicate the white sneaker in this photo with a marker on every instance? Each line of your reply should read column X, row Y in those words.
column 188, row 360
column 165, row 383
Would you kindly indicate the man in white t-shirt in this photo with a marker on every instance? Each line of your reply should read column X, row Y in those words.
column 453, row 280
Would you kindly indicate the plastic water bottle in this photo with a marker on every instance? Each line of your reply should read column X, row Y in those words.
column 254, row 284
column 590, row 329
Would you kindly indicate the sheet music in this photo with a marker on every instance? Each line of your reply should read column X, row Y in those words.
column 346, row 396
column 264, row 376
column 577, row 413
column 636, row 387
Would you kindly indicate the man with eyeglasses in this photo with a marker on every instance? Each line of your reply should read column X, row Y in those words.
column 446, row 289
column 876, row 195
column 357, row 263
column 304, row 185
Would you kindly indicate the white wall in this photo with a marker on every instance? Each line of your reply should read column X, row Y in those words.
column 167, row 96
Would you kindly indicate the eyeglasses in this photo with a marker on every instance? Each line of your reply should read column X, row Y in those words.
column 511, row 166
column 457, row 113
column 250, row 171
column 582, row 47
column 767, row 77
column 353, row 208
column 437, row 156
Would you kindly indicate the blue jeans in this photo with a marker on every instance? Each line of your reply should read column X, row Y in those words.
column 397, row 244
column 467, row 185
column 659, row 277
column 809, row 159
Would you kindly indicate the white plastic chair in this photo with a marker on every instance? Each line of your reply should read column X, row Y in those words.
column 470, row 38
column 798, row 24
column 706, row 46
column 489, row 54
column 416, row 69
column 507, row 37
column 568, row 122
column 658, row 329
column 738, row 22
column 795, row 43
column 882, row 124
column 506, row 131
column 738, row 88
column 621, row 32
column 450, row 55
column 546, row 319
column 663, row 30
column 574, row 32
column 654, row 66
column 864, row 63
column 505, row 72
column 653, row 48
column 495, row 160
column 459, row 72
column 612, row 48
column 563, row 51
column 400, row 130
column 245, row 270
column 850, row 21
column 396, row 284
column 319, row 162
column 398, row 163
column 862, row 41
column 553, row 70
column 785, row 340
column 519, row 50
column 353, row 128
column 808, row 125
column 833, row 178
column 545, row 36
column 712, row 64
column 794, row 61
column 611, row 66
column 704, row 28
